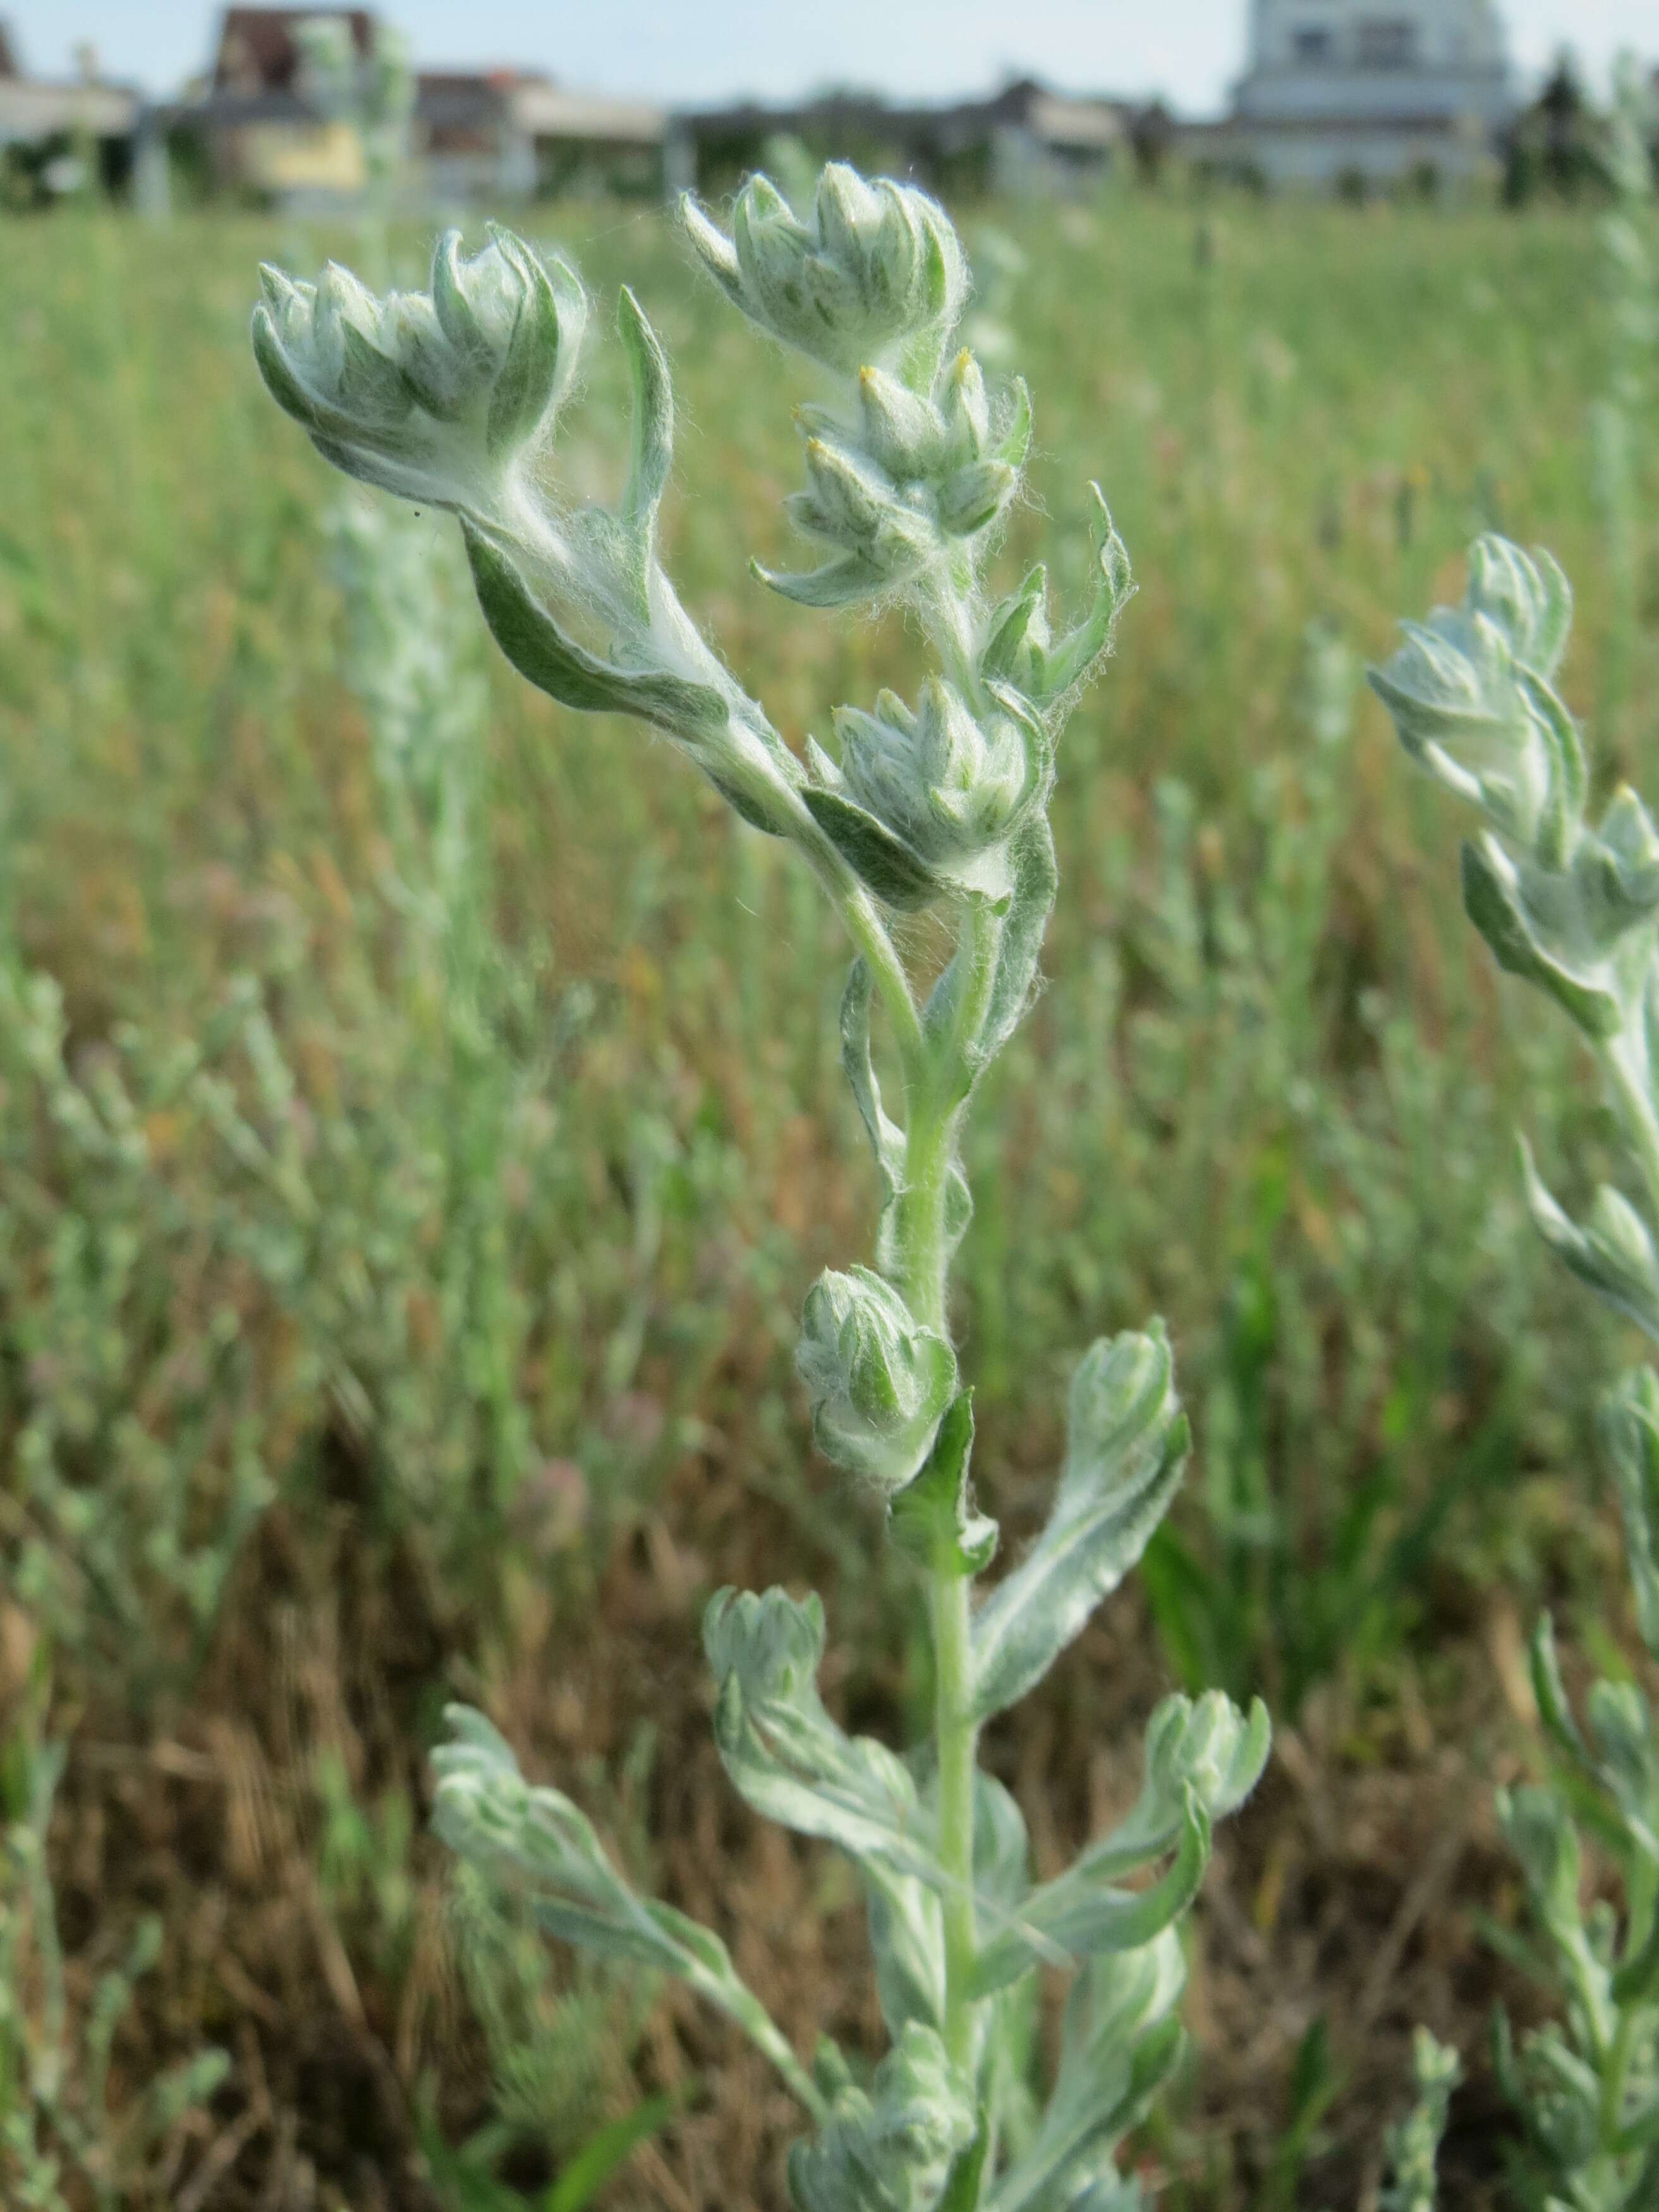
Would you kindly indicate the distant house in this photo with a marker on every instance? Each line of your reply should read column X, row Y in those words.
column 1024, row 139
column 259, row 129
column 508, row 134
column 50, row 128
column 1369, row 90
column 495, row 136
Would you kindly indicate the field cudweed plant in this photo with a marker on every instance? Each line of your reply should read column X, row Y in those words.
column 1572, row 907
column 450, row 398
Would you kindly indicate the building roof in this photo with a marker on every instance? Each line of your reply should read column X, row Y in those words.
column 546, row 110
column 531, row 103
column 259, row 48
column 36, row 108
column 31, row 110
column 1058, row 119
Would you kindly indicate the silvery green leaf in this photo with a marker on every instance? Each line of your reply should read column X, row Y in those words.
column 1630, row 1443
column 1636, row 1983
column 839, row 583
column 892, row 533
column 527, row 377
column 901, row 431
column 1414, row 2144
column 971, row 500
column 1622, row 1729
column 533, row 642
column 932, row 1517
column 1551, row 1692
column 488, row 1813
column 965, row 410
column 1082, row 1915
column 886, row 1139
column 1613, row 1252
column 1002, row 1850
column 760, row 808
column 453, row 283
column 878, row 1381
column 372, row 389
column 1127, row 1446
column 890, row 2149
column 1049, row 671
column 1625, row 858
column 1018, row 635
column 1540, row 1833
column 283, row 378
column 653, row 449
column 1526, row 596
column 899, row 877
column 786, row 1756
column 1122, row 2040
column 1503, row 904
column 713, row 248
column 1036, row 872
column 907, row 1937
column 1012, row 439
column 854, row 503
column 1208, row 1748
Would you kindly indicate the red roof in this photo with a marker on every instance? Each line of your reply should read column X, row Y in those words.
column 259, row 48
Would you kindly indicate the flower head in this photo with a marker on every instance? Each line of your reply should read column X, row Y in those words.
column 874, row 277
column 879, row 1382
column 434, row 395
column 1470, row 689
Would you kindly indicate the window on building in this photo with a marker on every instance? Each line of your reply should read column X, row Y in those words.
column 1387, row 42
column 1311, row 45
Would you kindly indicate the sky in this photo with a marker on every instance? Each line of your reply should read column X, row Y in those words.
column 684, row 52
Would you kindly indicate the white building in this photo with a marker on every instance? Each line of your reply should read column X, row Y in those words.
column 1380, row 90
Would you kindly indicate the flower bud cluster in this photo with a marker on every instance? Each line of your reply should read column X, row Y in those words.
column 1469, row 691
column 879, row 1383
column 433, row 395
column 918, row 462
column 950, row 787
column 445, row 398
column 1572, row 909
column 875, row 276
column 1612, row 1249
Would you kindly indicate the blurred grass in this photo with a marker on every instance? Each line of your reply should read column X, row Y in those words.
column 299, row 1310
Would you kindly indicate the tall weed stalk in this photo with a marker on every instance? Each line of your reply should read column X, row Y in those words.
column 936, row 809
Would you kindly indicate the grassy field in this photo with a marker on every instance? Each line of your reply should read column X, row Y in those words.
column 354, row 1355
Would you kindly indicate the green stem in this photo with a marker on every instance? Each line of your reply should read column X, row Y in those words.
column 865, row 926
column 938, row 1096
column 958, row 1747
column 1615, row 2076
column 938, row 1082
column 768, row 2040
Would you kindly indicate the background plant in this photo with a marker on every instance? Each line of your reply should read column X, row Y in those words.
column 60, row 2142
column 1573, row 909
column 1630, row 250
